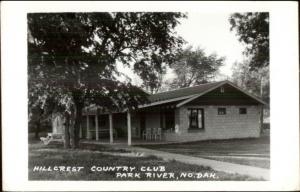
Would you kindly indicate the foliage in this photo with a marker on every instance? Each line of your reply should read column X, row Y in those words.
column 156, row 84
column 72, row 57
column 194, row 67
column 257, row 82
column 253, row 30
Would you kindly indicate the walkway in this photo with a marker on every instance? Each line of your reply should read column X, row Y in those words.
column 216, row 165
column 239, row 157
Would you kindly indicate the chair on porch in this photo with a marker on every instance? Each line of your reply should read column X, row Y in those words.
column 157, row 133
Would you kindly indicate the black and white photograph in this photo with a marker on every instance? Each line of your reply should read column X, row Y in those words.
column 181, row 116
column 135, row 95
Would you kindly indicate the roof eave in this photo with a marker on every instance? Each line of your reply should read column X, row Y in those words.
column 225, row 82
column 164, row 101
column 247, row 93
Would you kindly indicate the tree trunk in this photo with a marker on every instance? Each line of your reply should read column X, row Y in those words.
column 67, row 133
column 76, row 116
column 37, row 129
column 72, row 131
column 262, row 108
column 77, row 122
column 261, row 120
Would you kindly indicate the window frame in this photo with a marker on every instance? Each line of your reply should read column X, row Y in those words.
column 222, row 108
column 199, row 110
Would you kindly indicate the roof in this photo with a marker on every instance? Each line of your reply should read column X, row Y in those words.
column 188, row 94
column 183, row 92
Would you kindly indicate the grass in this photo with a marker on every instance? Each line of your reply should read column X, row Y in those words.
column 249, row 147
column 101, row 156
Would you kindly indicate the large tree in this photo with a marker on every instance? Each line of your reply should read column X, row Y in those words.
column 72, row 59
column 255, row 81
column 253, row 30
column 194, row 67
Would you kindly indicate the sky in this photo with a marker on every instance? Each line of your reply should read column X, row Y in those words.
column 211, row 32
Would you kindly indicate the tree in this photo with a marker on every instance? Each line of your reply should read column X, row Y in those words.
column 36, row 116
column 155, row 83
column 257, row 82
column 72, row 59
column 253, row 30
column 194, row 67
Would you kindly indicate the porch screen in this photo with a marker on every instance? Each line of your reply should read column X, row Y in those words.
column 196, row 119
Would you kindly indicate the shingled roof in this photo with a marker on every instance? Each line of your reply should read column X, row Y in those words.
column 185, row 95
column 183, row 92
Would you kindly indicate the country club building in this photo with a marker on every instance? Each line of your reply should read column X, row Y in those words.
column 219, row 110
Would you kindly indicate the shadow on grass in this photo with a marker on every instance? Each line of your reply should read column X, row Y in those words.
column 89, row 155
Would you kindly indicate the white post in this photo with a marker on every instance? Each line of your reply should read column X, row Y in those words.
column 129, row 128
column 97, row 128
column 87, row 127
column 111, row 138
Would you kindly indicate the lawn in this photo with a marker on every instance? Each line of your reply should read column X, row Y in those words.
column 55, row 161
column 249, row 151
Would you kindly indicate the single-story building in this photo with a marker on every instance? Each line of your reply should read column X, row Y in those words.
column 218, row 110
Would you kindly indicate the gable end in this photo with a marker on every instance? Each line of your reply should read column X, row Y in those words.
column 225, row 94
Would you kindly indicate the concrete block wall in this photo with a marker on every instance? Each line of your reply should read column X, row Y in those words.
column 231, row 125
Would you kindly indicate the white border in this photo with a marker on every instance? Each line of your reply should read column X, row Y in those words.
column 284, row 94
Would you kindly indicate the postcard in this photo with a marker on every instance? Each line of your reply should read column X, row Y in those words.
column 114, row 96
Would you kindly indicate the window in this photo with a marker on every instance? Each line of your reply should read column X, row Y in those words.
column 222, row 90
column 196, row 118
column 221, row 111
column 243, row 110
